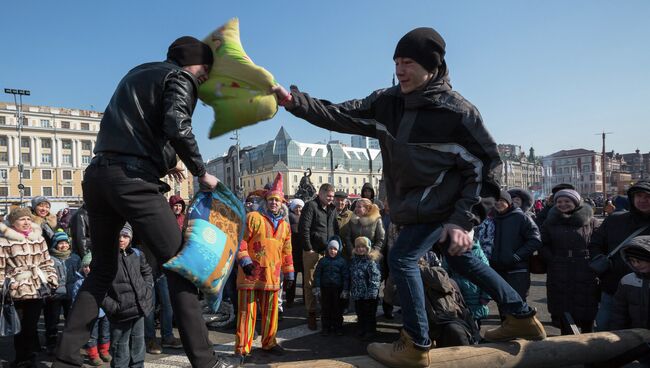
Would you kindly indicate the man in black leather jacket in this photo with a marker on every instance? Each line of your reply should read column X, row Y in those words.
column 147, row 122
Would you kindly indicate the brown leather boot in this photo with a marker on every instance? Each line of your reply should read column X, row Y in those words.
column 529, row 328
column 400, row 354
column 311, row 321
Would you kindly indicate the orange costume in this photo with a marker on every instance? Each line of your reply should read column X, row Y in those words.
column 267, row 247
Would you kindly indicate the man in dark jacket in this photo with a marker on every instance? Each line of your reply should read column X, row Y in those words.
column 80, row 231
column 439, row 163
column 614, row 229
column 516, row 238
column 317, row 225
column 146, row 124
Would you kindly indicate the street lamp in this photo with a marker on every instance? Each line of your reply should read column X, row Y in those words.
column 18, row 101
column 239, row 189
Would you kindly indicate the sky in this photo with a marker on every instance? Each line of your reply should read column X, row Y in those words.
column 547, row 74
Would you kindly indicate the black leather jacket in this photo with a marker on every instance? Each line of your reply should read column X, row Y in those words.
column 150, row 113
column 80, row 231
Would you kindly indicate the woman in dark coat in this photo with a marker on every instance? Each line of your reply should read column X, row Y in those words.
column 571, row 286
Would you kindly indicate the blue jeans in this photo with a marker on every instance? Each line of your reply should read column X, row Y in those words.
column 161, row 291
column 411, row 244
column 604, row 314
column 127, row 343
column 100, row 334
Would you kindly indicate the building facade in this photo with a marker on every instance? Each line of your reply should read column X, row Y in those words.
column 637, row 164
column 360, row 141
column 519, row 170
column 51, row 152
column 347, row 168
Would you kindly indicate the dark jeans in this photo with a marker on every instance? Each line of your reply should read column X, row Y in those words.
column 28, row 311
column 161, row 292
column 411, row 244
column 331, row 308
column 113, row 194
column 52, row 313
column 100, row 334
column 520, row 282
column 127, row 343
column 366, row 315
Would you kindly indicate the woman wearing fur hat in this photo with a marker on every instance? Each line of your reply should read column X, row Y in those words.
column 571, row 286
column 44, row 218
column 366, row 221
column 28, row 271
column 264, row 254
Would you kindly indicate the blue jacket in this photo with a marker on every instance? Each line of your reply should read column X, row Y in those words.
column 74, row 290
column 66, row 270
column 332, row 272
column 365, row 278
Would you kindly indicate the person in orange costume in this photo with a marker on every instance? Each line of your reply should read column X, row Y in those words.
column 264, row 254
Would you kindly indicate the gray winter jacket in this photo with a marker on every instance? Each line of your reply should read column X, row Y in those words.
column 438, row 157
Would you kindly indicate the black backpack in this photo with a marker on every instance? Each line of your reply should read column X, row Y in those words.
column 450, row 321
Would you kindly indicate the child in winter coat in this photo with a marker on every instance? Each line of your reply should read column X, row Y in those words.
column 631, row 304
column 364, row 287
column 97, row 348
column 128, row 300
column 332, row 285
column 66, row 264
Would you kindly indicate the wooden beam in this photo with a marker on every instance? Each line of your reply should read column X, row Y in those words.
column 557, row 351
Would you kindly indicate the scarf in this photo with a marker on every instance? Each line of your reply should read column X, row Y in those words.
column 60, row 254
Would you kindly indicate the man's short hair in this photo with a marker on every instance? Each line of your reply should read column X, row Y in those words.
column 327, row 187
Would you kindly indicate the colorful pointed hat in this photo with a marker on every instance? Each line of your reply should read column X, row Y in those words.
column 276, row 189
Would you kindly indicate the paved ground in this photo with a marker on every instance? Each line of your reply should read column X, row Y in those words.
column 303, row 344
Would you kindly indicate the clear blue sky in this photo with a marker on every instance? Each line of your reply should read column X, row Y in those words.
column 545, row 73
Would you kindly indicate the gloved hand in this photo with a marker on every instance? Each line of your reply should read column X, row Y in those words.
column 248, row 269
column 316, row 292
column 345, row 294
column 287, row 284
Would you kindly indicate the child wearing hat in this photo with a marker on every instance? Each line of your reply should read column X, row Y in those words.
column 365, row 278
column 97, row 348
column 332, row 286
column 66, row 264
column 631, row 303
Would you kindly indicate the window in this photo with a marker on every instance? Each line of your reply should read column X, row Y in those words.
column 27, row 174
column 47, row 191
column 66, row 143
column 85, row 159
column 67, row 191
column 295, row 178
column 67, row 159
column 24, row 142
column 85, row 126
column 65, row 125
column 46, row 158
column 355, row 180
column 66, row 174
column 3, row 140
column 46, row 174
column 347, row 180
column 26, row 157
column 3, row 120
column 45, row 123
column 340, row 180
column 27, row 192
column 3, row 174
column 320, row 179
column 4, row 191
column 46, row 143
column 4, row 157
column 85, row 145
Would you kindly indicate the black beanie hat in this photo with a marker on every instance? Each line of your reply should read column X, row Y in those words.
column 506, row 197
column 424, row 45
column 188, row 50
column 561, row 186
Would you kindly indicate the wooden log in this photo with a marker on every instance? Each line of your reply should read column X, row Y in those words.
column 557, row 351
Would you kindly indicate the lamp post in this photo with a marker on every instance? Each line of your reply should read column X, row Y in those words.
column 18, row 101
column 239, row 189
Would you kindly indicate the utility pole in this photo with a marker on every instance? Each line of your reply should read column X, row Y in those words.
column 239, row 190
column 19, row 126
column 604, row 165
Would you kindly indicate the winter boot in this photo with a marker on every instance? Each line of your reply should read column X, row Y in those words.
column 311, row 321
column 93, row 357
column 513, row 327
column 103, row 352
column 403, row 353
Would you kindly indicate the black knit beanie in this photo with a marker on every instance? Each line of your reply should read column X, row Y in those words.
column 506, row 197
column 190, row 51
column 424, row 45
